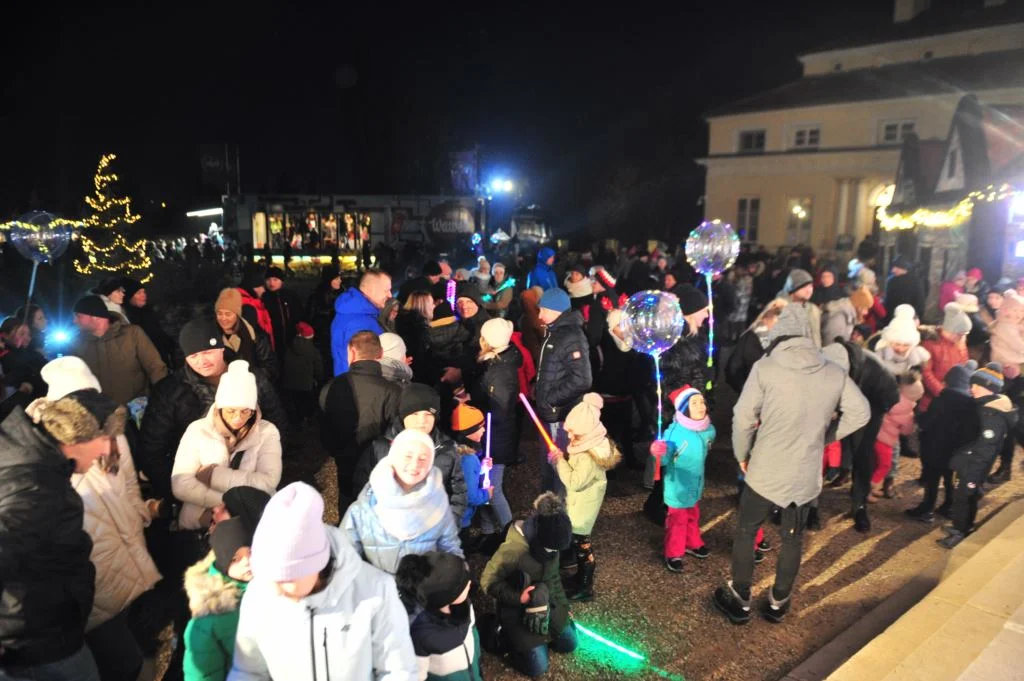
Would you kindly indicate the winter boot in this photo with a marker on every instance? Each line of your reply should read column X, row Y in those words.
column 861, row 522
column 813, row 520
column 1001, row 475
column 775, row 610
column 584, row 587
column 731, row 604
column 921, row 514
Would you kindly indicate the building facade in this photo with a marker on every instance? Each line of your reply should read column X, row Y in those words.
column 809, row 163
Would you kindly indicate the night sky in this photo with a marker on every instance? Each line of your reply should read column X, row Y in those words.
column 590, row 106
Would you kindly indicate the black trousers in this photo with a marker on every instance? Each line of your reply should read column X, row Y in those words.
column 617, row 417
column 346, row 464
column 965, row 503
column 862, row 447
column 932, row 473
column 754, row 510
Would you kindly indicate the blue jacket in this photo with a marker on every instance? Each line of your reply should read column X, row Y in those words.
column 353, row 313
column 475, row 495
column 682, row 466
column 542, row 275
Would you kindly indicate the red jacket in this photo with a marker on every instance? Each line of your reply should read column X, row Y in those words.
column 945, row 356
column 262, row 315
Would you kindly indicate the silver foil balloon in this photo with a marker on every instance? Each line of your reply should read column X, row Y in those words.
column 712, row 247
column 653, row 321
column 40, row 237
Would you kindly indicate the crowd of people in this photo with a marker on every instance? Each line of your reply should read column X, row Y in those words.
column 138, row 462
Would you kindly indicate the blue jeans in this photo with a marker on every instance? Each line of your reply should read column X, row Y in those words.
column 77, row 667
column 549, row 480
column 496, row 515
column 535, row 662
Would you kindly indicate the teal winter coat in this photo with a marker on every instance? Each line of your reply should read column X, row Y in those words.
column 682, row 466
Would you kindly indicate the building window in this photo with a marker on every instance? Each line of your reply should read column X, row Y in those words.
column 951, row 169
column 893, row 132
column 752, row 141
column 807, row 137
column 798, row 225
column 748, row 217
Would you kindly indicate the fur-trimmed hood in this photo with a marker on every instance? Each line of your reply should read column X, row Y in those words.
column 605, row 454
column 209, row 591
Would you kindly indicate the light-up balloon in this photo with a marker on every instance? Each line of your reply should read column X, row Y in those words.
column 712, row 247
column 40, row 237
column 653, row 321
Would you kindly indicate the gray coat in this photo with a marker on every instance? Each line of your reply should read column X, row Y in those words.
column 838, row 317
column 782, row 416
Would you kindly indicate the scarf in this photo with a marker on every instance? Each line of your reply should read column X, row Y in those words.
column 583, row 287
column 232, row 438
column 688, row 423
column 592, row 440
column 402, row 514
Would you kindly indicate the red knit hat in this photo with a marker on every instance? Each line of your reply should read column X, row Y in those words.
column 603, row 276
column 681, row 397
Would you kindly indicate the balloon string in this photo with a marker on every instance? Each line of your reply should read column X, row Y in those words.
column 711, row 326
column 657, row 378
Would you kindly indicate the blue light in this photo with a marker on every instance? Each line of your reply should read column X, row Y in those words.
column 60, row 336
column 476, row 238
column 497, row 184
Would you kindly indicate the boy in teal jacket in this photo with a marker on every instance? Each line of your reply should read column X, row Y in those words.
column 681, row 454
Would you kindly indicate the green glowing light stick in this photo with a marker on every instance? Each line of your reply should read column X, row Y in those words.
column 611, row 644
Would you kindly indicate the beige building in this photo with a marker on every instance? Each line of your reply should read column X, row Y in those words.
column 809, row 162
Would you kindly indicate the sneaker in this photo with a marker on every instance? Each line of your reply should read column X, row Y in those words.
column 950, row 529
column 701, row 553
column 758, row 556
column 775, row 611
column 765, row 546
column 813, row 520
column 952, row 539
column 674, row 564
column 731, row 605
column 921, row 515
column 861, row 522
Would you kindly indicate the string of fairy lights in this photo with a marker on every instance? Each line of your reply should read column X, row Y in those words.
column 944, row 218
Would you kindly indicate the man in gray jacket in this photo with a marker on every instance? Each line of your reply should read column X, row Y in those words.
column 780, row 425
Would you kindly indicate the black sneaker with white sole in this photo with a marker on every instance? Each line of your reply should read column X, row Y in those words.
column 701, row 553
column 775, row 611
column 765, row 546
column 731, row 605
column 758, row 556
column 674, row 564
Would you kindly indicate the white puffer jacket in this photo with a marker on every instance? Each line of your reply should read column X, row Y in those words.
column 202, row 445
column 114, row 518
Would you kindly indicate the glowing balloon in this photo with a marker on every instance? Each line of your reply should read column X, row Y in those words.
column 712, row 247
column 40, row 237
column 652, row 321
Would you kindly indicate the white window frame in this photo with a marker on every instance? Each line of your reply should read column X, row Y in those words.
column 802, row 231
column 901, row 131
column 743, row 217
column 804, row 131
column 751, row 131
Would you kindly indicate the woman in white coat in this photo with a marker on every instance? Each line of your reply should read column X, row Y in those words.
column 115, row 517
column 230, row 446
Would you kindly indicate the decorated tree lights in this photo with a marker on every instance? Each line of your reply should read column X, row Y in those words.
column 711, row 249
column 104, row 245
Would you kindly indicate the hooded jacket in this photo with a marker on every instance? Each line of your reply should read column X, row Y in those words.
column 213, row 599
column 1007, row 342
column 951, row 422
column 997, row 417
column 563, row 373
column 255, row 461
column 898, row 421
column 782, row 416
column 174, row 405
column 838, row 317
column 356, row 628
column 944, row 355
column 497, row 392
column 353, row 312
column 46, row 578
column 386, row 522
column 303, row 366
column 585, row 480
column 542, row 275
column 446, row 460
column 123, row 359
column 448, row 339
column 896, row 365
column 683, row 464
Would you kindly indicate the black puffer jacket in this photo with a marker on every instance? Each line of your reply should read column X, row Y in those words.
column 686, row 363
column 747, row 351
column 951, row 422
column 998, row 417
column 448, row 340
column 359, row 406
column 563, row 373
column 46, row 578
column 413, row 329
column 285, row 308
column 254, row 348
column 177, row 401
column 497, row 392
column 446, row 460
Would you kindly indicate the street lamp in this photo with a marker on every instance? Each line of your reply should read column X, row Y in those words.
column 499, row 184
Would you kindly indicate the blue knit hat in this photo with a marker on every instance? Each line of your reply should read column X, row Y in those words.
column 958, row 378
column 555, row 299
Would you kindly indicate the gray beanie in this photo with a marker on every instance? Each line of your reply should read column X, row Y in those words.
column 797, row 279
column 792, row 321
column 955, row 320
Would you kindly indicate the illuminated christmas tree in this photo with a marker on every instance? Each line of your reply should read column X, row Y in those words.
column 105, row 247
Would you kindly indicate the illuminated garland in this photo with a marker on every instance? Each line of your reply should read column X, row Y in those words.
column 949, row 217
column 97, row 257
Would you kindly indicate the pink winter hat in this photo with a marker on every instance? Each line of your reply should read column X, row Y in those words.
column 291, row 541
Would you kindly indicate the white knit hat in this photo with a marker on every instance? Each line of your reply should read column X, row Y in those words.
column 393, row 345
column 497, row 332
column 968, row 302
column 408, row 439
column 902, row 328
column 955, row 320
column 290, row 542
column 237, row 387
column 66, row 375
column 585, row 418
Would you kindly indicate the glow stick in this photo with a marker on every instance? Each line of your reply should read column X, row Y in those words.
column 711, row 326
column 449, row 293
column 487, row 454
column 536, row 421
column 657, row 378
column 611, row 644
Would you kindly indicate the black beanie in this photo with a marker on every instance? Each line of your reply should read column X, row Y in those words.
column 432, row 269
column 691, row 299
column 246, row 504
column 108, row 286
column 553, row 527
column 131, row 287
column 418, row 397
column 225, row 540
column 199, row 335
column 252, row 279
column 435, row 579
column 274, row 272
